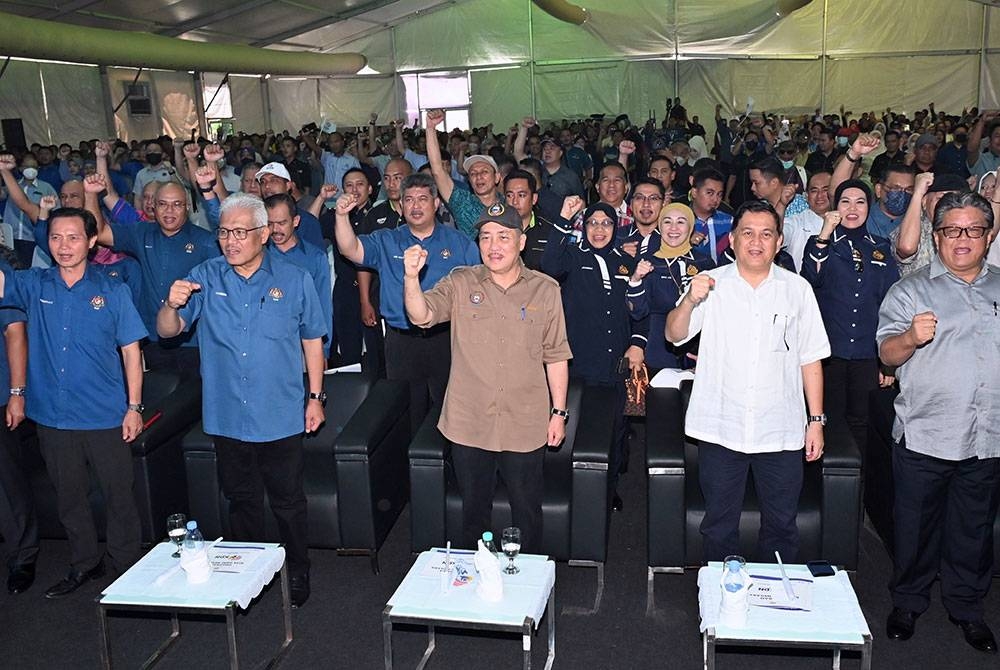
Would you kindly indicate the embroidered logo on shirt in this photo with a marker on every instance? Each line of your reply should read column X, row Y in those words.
column 446, row 253
column 276, row 293
column 622, row 270
column 189, row 247
column 113, row 273
column 476, row 297
column 692, row 270
column 97, row 302
column 878, row 255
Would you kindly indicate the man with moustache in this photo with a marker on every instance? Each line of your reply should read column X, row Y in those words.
column 507, row 390
column 642, row 239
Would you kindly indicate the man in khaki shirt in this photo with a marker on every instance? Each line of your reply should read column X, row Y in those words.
column 506, row 395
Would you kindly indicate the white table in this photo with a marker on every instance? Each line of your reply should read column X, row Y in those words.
column 527, row 596
column 835, row 622
column 242, row 570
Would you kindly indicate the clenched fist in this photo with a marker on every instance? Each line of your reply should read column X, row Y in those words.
column 94, row 183
column 642, row 269
column 7, row 162
column 328, row 191
column 701, row 285
column 922, row 328
column 214, row 153
column 346, row 203
column 180, row 293
column 626, row 147
column 414, row 260
column 571, row 205
column 434, row 118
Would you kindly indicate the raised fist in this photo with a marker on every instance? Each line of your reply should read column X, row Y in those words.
column 102, row 149
column 922, row 328
column 180, row 292
column 48, row 203
column 434, row 118
column 626, row 147
column 373, row 117
column 830, row 221
column 642, row 269
column 191, row 151
column 94, row 183
column 787, row 194
column 630, row 248
column 205, row 175
column 214, row 153
column 920, row 186
column 414, row 260
column 701, row 285
column 64, row 153
column 571, row 205
column 865, row 144
column 328, row 191
column 346, row 203
column 7, row 162
column 528, row 121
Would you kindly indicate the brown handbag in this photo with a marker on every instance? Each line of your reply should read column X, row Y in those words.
column 635, row 392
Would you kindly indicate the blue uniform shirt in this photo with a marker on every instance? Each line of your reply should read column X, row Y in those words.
column 8, row 315
column 250, row 337
column 446, row 248
column 850, row 276
column 164, row 260
column 75, row 379
column 313, row 260
column 647, row 246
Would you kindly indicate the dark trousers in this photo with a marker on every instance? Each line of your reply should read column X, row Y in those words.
column 943, row 513
column 186, row 361
column 778, row 480
column 423, row 361
column 476, row 472
column 249, row 469
column 846, row 387
column 67, row 454
column 347, row 320
column 374, row 350
column 17, row 511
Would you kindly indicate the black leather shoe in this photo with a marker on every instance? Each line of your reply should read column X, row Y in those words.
column 977, row 634
column 299, row 590
column 21, row 578
column 74, row 581
column 616, row 503
column 900, row 624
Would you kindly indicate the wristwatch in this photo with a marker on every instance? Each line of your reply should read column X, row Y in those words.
column 321, row 396
column 18, row 390
column 136, row 407
column 821, row 418
column 560, row 412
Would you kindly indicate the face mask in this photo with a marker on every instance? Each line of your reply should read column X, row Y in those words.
column 896, row 202
column 751, row 145
column 154, row 159
column 787, row 164
column 842, row 141
column 961, row 138
column 30, row 173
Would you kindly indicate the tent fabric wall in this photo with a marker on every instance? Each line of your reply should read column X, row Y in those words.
column 248, row 103
column 500, row 97
column 293, row 103
column 74, row 111
column 21, row 98
column 173, row 100
column 573, row 91
column 350, row 101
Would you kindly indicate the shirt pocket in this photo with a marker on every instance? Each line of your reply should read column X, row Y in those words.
column 479, row 325
column 528, row 336
column 781, row 333
column 278, row 323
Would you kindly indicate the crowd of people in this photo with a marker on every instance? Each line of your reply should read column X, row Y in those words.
column 795, row 263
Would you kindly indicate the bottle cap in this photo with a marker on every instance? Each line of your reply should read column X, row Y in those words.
column 488, row 536
column 192, row 525
column 734, row 566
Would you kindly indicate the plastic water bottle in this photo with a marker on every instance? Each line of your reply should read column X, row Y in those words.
column 490, row 546
column 193, row 541
column 732, row 581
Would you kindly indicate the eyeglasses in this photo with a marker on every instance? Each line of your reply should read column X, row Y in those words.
column 647, row 198
column 897, row 189
column 237, row 233
column 955, row 232
column 601, row 223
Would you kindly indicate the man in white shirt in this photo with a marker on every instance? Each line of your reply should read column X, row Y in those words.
column 798, row 228
column 762, row 343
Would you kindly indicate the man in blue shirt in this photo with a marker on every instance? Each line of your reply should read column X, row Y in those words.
column 259, row 314
column 78, row 319
column 283, row 220
column 274, row 178
column 166, row 249
column 420, row 356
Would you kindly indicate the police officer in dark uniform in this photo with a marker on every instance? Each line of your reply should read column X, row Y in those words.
column 658, row 283
column 594, row 276
column 521, row 191
column 850, row 270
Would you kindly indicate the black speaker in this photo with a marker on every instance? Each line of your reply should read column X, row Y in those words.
column 13, row 133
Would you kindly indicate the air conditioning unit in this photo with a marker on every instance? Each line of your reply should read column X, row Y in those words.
column 139, row 101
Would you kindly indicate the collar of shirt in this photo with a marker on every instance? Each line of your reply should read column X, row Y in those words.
column 938, row 268
column 483, row 275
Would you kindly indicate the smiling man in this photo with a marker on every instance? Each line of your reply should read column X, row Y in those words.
column 259, row 316
column 747, row 411
column 939, row 325
column 510, row 365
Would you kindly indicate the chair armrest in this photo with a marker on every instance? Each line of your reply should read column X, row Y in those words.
column 842, row 509
column 428, row 454
column 593, row 439
column 429, row 444
column 666, row 506
column 840, row 449
column 592, row 433
column 180, row 410
column 664, row 428
column 386, row 404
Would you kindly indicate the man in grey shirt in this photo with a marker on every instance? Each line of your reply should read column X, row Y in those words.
column 941, row 326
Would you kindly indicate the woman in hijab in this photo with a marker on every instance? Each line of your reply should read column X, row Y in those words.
column 850, row 271
column 656, row 285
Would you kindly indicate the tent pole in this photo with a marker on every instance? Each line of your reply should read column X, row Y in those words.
column 265, row 98
column 677, row 56
column 531, row 59
column 199, row 102
column 982, row 56
column 109, row 116
column 823, row 59
column 397, row 80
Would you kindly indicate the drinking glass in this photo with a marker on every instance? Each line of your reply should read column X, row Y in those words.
column 177, row 529
column 510, row 542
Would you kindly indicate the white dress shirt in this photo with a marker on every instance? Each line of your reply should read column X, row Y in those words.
column 797, row 230
column 748, row 393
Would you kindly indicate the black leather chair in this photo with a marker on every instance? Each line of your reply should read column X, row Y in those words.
column 355, row 469
column 829, row 517
column 879, row 486
column 575, row 506
column 173, row 405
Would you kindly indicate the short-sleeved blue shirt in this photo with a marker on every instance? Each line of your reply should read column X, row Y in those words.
column 8, row 315
column 250, row 336
column 313, row 260
column 75, row 379
column 164, row 260
column 446, row 248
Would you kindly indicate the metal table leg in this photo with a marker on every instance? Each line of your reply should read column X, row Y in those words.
column 836, row 658
column 387, row 637
column 234, row 661
column 866, row 653
column 526, row 641
column 429, row 650
column 105, row 639
column 550, row 610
